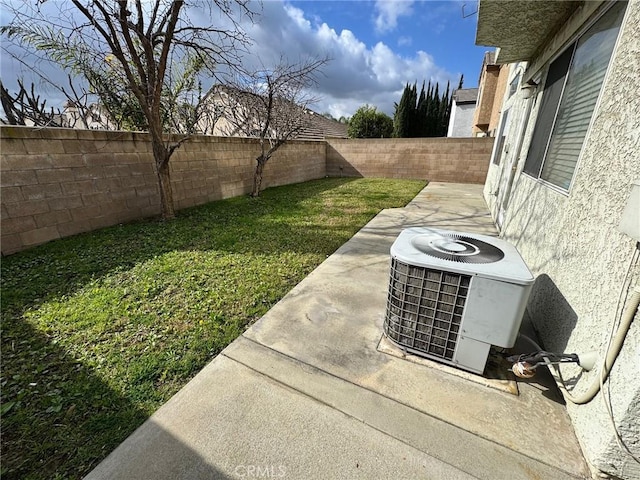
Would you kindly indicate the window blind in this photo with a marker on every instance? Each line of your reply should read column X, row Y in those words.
column 547, row 112
column 581, row 92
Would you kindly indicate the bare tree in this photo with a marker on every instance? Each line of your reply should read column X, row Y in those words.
column 138, row 44
column 26, row 108
column 271, row 104
column 76, row 112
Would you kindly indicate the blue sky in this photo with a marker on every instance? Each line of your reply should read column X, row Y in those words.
column 406, row 27
column 376, row 47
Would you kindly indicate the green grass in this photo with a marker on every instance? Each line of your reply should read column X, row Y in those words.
column 100, row 329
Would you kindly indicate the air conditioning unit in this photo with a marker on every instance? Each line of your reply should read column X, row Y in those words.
column 453, row 295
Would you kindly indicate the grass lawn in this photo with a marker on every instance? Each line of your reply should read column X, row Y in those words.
column 100, row 329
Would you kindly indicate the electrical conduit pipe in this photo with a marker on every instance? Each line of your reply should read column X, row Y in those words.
column 610, row 358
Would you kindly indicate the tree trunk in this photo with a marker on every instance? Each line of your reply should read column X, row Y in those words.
column 257, row 177
column 166, row 193
column 161, row 156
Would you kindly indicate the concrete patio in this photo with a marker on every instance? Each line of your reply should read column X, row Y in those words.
column 313, row 391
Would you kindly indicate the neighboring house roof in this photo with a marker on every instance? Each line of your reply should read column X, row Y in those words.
column 314, row 125
column 320, row 127
column 465, row 95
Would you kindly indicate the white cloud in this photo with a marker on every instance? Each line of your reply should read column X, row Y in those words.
column 404, row 41
column 388, row 13
column 297, row 16
column 357, row 73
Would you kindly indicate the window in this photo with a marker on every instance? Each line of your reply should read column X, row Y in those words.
column 499, row 145
column 513, row 86
column 571, row 90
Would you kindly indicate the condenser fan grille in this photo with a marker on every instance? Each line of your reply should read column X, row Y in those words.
column 457, row 248
column 424, row 308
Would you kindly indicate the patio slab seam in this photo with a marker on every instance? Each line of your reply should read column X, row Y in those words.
column 260, row 368
column 346, row 413
column 306, row 387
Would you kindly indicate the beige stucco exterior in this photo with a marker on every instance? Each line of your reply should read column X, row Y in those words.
column 491, row 87
column 498, row 97
column 571, row 240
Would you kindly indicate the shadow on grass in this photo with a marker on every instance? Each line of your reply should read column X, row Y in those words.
column 61, row 267
column 58, row 417
column 80, row 419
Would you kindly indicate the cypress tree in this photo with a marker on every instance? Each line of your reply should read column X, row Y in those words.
column 445, row 109
column 435, row 121
column 424, row 115
column 403, row 113
column 413, row 117
column 421, row 113
column 427, row 109
column 431, row 112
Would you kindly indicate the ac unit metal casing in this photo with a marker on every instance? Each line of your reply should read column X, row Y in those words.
column 453, row 295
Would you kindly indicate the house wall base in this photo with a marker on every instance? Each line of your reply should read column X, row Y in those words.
column 584, row 266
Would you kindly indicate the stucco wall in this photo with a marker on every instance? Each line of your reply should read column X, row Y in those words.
column 461, row 121
column 500, row 90
column 59, row 182
column 463, row 160
column 486, row 97
column 493, row 83
column 581, row 260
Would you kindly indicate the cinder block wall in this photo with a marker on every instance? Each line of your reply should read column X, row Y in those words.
column 211, row 168
column 59, row 182
column 462, row 160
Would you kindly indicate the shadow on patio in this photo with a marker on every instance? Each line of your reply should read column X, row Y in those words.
column 308, row 388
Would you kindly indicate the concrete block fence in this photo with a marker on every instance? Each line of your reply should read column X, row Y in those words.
column 453, row 160
column 60, row 182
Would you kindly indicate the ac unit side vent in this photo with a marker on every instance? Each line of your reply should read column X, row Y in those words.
column 425, row 308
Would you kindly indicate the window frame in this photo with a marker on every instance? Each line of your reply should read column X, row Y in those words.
column 571, row 44
column 514, row 84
